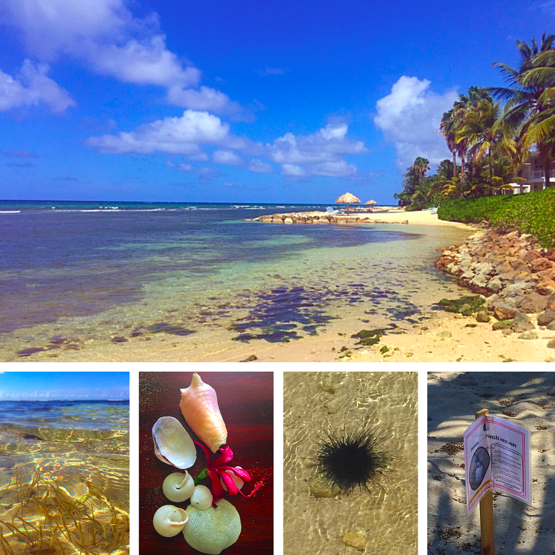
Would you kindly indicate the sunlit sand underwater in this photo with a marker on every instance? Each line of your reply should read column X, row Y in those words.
column 64, row 477
column 205, row 278
column 384, row 517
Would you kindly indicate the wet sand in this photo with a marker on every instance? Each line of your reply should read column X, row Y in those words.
column 439, row 337
column 526, row 398
column 315, row 402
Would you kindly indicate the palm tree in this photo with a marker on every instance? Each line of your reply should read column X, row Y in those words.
column 530, row 108
column 479, row 130
column 421, row 166
column 413, row 177
column 460, row 110
column 512, row 147
column 447, row 129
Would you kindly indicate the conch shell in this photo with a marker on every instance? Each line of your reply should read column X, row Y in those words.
column 199, row 405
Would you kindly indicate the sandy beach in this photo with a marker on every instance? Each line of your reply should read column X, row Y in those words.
column 527, row 399
column 389, row 216
column 443, row 337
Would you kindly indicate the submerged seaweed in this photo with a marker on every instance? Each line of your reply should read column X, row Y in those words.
column 47, row 520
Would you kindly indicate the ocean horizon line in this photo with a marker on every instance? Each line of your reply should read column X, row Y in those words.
column 229, row 203
column 65, row 400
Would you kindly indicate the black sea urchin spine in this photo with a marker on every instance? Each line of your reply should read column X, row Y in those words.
column 351, row 459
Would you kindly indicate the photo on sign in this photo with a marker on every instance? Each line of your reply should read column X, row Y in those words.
column 478, row 467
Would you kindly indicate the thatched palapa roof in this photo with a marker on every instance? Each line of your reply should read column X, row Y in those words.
column 347, row 198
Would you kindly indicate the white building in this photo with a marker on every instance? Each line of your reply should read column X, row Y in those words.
column 534, row 178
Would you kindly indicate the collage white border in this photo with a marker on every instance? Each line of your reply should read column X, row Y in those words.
column 278, row 369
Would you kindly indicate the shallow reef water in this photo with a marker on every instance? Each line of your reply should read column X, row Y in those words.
column 64, row 478
column 204, row 275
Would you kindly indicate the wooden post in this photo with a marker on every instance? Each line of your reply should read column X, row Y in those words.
column 486, row 512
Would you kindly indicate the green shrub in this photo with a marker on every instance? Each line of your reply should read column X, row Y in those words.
column 532, row 213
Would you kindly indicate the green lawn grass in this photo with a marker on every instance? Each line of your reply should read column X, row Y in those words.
column 532, row 213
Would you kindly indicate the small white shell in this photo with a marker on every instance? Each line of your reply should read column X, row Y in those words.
column 178, row 487
column 202, row 498
column 169, row 520
column 172, row 444
column 213, row 530
column 237, row 481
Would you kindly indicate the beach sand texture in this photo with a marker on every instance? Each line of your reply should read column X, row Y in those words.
column 525, row 398
column 385, row 517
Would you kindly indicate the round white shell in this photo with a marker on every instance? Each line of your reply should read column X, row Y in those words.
column 172, row 444
column 213, row 530
column 202, row 498
column 178, row 487
column 236, row 480
column 169, row 520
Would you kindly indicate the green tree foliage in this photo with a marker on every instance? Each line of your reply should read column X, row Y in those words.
column 529, row 113
column 493, row 142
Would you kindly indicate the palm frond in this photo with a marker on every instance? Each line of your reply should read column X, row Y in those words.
column 538, row 77
column 544, row 58
column 504, row 93
column 510, row 74
column 539, row 132
column 547, row 97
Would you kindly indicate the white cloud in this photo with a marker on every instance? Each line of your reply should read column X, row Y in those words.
column 181, row 135
column 410, row 116
column 339, row 168
column 227, row 157
column 143, row 63
column 324, row 145
column 293, row 170
column 259, row 167
column 52, row 27
column 30, row 87
column 316, row 154
column 108, row 38
column 206, row 99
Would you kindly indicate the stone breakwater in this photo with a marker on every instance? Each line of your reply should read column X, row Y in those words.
column 321, row 218
column 514, row 274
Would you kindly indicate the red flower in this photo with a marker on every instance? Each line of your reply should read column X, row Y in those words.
column 215, row 471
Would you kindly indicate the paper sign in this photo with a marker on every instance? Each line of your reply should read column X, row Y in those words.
column 496, row 455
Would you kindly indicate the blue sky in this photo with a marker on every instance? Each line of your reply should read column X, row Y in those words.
column 40, row 386
column 245, row 101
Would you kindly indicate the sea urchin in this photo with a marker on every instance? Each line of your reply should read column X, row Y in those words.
column 350, row 459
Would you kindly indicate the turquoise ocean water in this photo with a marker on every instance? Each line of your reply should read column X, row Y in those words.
column 74, row 274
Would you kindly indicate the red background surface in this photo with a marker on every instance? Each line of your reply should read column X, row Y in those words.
column 246, row 403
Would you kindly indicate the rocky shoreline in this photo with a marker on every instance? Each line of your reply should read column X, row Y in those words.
column 514, row 278
column 322, row 218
